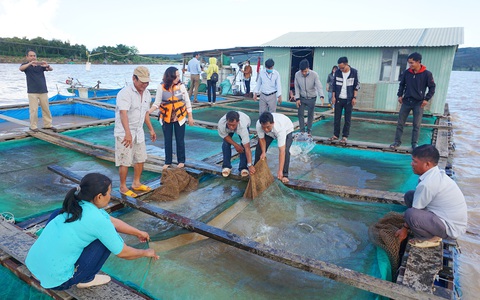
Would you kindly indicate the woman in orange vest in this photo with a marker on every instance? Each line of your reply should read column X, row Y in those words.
column 174, row 106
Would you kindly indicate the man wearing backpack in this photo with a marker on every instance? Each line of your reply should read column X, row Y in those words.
column 212, row 78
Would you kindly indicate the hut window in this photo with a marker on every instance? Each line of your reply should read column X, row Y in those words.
column 394, row 62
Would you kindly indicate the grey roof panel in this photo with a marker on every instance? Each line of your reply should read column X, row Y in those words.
column 423, row 37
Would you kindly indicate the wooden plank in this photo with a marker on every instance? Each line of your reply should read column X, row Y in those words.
column 442, row 139
column 95, row 103
column 362, row 145
column 423, row 264
column 347, row 191
column 378, row 121
column 14, row 120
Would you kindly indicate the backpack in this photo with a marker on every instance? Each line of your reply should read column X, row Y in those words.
column 214, row 77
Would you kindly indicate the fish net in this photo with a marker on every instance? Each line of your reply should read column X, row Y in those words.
column 382, row 234
column 173, row 182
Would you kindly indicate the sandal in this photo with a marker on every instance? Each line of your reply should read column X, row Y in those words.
column 142, row 188
column 333, row 138
column 226, row 172
column 129, row 193
column 181, row 165
column 165, row 167
column 343, row 140
column 244, row 173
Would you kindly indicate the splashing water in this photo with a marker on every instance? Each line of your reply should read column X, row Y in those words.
column 302, row 144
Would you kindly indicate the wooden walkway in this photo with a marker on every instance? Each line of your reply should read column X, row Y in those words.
column 14, row 245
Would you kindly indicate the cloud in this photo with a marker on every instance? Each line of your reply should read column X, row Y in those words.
column 29, row 18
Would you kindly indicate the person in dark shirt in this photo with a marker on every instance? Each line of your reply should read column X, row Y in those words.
column 411, row 95
column 37, row 90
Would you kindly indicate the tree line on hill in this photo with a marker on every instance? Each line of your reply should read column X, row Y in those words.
column 65, row 52
column 466, row 59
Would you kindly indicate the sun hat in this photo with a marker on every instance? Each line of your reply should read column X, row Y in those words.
column 142, row 73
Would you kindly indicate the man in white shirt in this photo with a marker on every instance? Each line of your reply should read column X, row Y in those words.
column 272, row 126
column 436, row 208
column 239, row 123
column 195, row 70
column 269, row 88
column 131, row 112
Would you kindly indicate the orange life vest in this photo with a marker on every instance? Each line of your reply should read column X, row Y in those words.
column 172, row 108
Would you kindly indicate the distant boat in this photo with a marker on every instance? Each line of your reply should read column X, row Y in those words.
column 83, row 91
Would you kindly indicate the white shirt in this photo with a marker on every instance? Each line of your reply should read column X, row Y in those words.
column 242, row 127
column 439, row 194
column 343, row 92
column 282, row 126
column 137, row 106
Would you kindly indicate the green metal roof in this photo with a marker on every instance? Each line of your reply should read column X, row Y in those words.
column 422, row 37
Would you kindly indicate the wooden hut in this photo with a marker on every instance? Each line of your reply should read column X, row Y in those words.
column 380, row 56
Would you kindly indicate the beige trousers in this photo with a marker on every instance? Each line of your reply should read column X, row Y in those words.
column 194, row 83
column 33, row 101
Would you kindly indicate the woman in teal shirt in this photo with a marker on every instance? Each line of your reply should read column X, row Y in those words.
column 79, row 238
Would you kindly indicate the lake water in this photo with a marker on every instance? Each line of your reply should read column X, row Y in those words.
column 464, row 103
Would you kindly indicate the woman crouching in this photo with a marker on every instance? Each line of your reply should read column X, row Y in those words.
column 79, row 238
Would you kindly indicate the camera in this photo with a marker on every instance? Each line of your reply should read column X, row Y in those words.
column 240, row 65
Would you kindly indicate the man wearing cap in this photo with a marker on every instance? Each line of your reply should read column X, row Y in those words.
column 133, row 103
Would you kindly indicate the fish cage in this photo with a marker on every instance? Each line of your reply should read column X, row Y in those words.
column 328, row 227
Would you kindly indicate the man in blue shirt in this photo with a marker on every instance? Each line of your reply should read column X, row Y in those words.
column 269, row 88
column 195, row 69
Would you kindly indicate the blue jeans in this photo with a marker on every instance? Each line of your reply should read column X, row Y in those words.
column 211, row 90
column 268, row 141
column 88, row 264
column 247, row 85
column 340, row 105
column 407, row 106
column 227, row 155
column 168, row 129
column 330, row 94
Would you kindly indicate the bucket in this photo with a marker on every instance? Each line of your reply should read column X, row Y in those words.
column 83, row 92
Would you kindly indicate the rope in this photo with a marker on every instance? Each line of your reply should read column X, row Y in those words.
column 7, row 217
column 34, row 229
column 148, row 269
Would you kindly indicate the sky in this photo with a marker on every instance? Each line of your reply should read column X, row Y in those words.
column 169, row 27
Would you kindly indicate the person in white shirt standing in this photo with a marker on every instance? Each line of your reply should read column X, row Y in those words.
column 195, row 70
column 272, row 126
column 133, row 103
column 437, row 207
column 269, row 88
